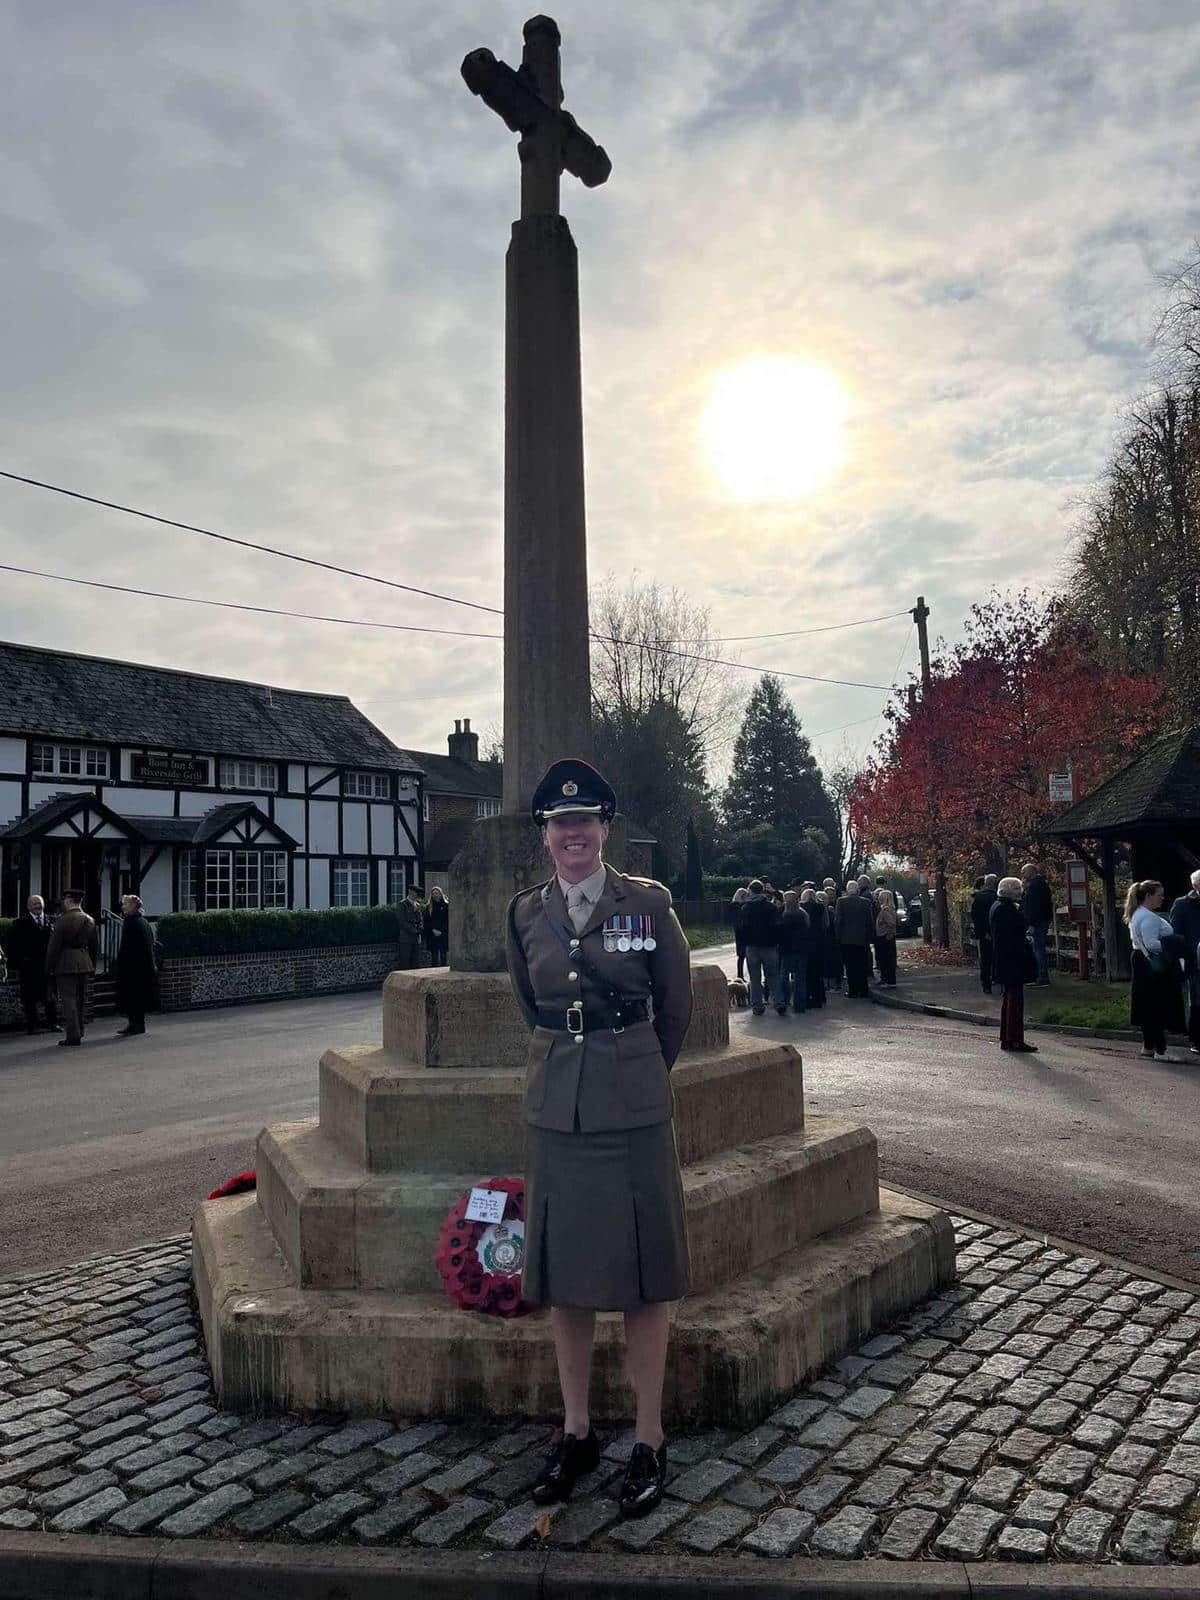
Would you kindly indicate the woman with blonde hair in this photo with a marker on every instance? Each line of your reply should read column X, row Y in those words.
column 1156, row 996
column 886, row 924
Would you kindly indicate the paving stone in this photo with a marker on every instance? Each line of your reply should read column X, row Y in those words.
column 918, row 1450
column 139, row 1515
column 1098, row 1433
column 978, row 1387
column 580, row 1521
column 18, row 1449
column 18, row 1521
column 355, row 1435
column 239, row 1465
column 929, row 1390
column 52, row 1477
column 781, row 1533
column 213, row 1450
column 846, row 1532
column 996, row 1487
column 967, row 1534
column 752, row 1494
column 860, row 1453
column 828, row 1431
column 181, row 1421
column 1146, row 1538
column 949, row 1418
column 1084, row 1535
column 897, row 1420
column 865, row 1401
column 790, row 1464
column 821, row 1493
column 220, row 1425
column 516, row 1478
column 906, row 1533
column 966, row 1452
column 409, row 1439
column 1121, row 1406
column 327, row 1516
column 402, row 1474
column 1015, row 1543
column 1166, row 1492
column 752, row 1446
column 1023, row 1445
column 202, row 1514
column 996, row 1419
column 637, row 1535
column 12, row 1496
column 286, row 1470
column 87, row 1513
column 75, row 1489
column 1052, row 1416
column 339, row 1474
column 798, row 1413
column 48, row 1456
column 1184, row 1460
column 701, row 1482
column 711, row 1529
column 1066, row 1468
column 882, row 1487
column 852, row 1367
column 936, row 1491
column 1110, row 1491
column 1041, row 1508
column 895, row 1371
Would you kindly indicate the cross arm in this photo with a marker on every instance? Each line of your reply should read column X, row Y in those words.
column 513, row 98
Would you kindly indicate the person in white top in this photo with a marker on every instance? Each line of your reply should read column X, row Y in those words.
column 1156, row 1003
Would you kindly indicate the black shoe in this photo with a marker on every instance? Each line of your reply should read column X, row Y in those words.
column 1025, row 1049
column 63, row 1044
column 645, row 1475
column 571, row 1458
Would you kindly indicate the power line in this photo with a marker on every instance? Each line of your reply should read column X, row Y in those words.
column 249, row 544
column 795, row 633
column 361, row 622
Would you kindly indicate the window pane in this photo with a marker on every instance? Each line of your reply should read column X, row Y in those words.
column 70, row 758
column 97, row 763
column 43, row 758
column 274, row 880
column 396, row 883
column 187, row 880
column 351, row 883
column 218, row 880
column 245, row 880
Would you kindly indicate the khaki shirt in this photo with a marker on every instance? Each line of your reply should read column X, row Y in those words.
column 613, row 1079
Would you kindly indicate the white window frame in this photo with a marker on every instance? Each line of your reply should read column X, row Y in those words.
column 274, row 877
column 425, row 805
column 367, row 785
column 247, row 880
column 218, row 879
column 350, row 877
column 397, row 879
column 42, row 757
column 68, row 760
column 187, row 880
column 487, row 808
column 241, row 772
column 95, row 761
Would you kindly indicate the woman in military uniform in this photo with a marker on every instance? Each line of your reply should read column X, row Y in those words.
column 602, row 972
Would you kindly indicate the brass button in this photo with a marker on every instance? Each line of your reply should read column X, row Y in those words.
column 572, row 976
column 578, row 1038
column 574, row 944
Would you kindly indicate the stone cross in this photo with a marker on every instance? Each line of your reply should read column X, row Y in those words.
column 547, row 686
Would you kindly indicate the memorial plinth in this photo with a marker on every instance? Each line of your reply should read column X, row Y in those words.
column 320, row 1291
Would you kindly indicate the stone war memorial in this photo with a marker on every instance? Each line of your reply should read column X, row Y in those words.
column 320, row 1290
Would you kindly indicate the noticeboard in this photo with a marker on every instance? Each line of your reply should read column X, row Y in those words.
column 1078, row 903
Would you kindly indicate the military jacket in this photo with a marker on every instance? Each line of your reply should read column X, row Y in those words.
column 614, row 1078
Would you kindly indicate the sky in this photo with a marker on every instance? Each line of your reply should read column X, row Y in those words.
column 254, row 281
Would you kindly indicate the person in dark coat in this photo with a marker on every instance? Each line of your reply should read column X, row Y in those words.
column 854, row 921
column 740, row 896
column 813, row 905
column 1185, row 920
column 833, row 950
column 982, row 902
column 1013, row 964
column 137, row 974
column 602, row 973
column 26, row 946
column 1038, row 905
column 437, row 927
column 758, row 919
column 411, row 925
column 1156, row 997
column 795, row 936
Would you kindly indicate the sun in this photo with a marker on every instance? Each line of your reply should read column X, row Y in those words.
column 773, row 428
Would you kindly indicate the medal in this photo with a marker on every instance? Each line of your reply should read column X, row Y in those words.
column 637, row 941
column 649, row 942
column 624, row 942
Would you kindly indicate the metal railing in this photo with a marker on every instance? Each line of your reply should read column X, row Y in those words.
column 110, row 939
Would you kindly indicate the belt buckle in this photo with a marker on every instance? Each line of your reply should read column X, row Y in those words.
column 620, row 1027
column 575, row 1011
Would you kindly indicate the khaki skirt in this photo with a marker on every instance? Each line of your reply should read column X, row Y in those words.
column 604, row 1221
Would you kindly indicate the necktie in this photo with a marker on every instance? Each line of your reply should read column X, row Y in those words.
column 577, row 908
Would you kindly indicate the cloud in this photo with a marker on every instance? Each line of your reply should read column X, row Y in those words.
column 255, row 281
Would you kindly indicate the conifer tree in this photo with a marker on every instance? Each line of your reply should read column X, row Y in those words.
column 775, row 779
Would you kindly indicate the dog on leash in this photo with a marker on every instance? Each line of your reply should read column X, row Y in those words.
column 739, row 994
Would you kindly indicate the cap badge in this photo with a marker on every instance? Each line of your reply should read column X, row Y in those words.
column 570, row 789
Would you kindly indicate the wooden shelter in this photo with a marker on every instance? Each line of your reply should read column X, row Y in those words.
column 1151, row 806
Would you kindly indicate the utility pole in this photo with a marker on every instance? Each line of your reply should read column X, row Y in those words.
column 920, row 615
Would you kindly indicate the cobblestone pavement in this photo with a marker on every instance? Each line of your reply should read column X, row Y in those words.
column 1046, row 1408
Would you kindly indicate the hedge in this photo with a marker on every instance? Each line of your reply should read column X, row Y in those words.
column 200, row 933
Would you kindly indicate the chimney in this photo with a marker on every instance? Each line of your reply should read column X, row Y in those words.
column 463, row 744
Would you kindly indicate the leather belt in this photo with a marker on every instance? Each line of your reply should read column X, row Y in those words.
column 593, row 1018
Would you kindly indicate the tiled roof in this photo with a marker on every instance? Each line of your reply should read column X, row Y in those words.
column 446, row 840
column 53, row 810
column 66, row 696
column 1160, row 788
column 151, row 830
column 449, row 775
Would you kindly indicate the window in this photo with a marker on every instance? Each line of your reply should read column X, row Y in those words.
column 249, row 775
column 274, row 880
column 397, row 882
column 367, row 785
column 246, row 880
column 487, row 808
column 425, row 805
column 351, row 883
column 70, row 760
column 187, row 880
column 218, row 880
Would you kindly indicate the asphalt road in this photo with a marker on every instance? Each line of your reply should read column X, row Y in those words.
column 111, row 1145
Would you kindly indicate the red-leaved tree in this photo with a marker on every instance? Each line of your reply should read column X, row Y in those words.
column 964, row 776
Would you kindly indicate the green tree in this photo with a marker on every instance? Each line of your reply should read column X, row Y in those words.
column 775, row 780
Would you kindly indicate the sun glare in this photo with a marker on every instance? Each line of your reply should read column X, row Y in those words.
column 773, row 428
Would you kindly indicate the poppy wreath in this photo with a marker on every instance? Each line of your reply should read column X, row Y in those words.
column 464, row 1276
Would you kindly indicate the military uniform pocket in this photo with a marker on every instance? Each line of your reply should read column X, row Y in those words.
column 645, row 1082
column 537, row 1069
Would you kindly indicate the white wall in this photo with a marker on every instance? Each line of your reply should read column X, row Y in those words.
column 295, row 778
column 383, row 830
column 354, row 829
column 44, row 791
column 289, row 814
column 318, row 885
column 325, row 779
column 140, row 802
column 10, row 802
column 156, row 886
column 12, row 755
column 323, row 823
